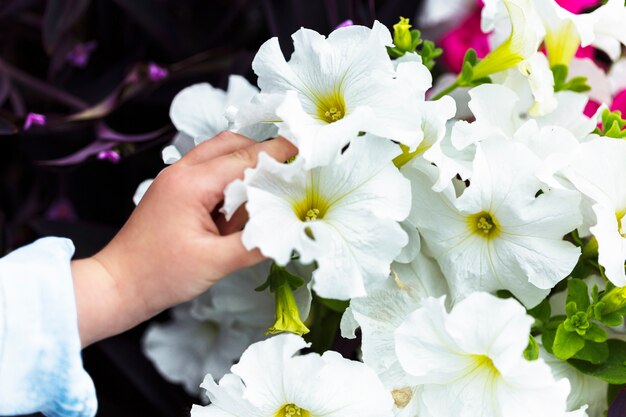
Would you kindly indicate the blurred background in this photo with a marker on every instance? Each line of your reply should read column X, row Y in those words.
column 85, row 90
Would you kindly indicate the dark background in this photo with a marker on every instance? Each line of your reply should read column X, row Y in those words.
column 51, row 181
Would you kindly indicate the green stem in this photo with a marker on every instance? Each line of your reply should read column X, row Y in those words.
column 447, row 90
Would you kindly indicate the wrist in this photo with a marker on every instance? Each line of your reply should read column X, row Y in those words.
column 104, row 303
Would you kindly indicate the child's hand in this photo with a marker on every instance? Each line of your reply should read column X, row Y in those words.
column 174, row 246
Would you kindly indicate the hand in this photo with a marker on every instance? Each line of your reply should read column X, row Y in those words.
column 175, row 245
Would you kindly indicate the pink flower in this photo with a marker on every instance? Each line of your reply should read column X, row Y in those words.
column 591, row 108
column 577, row 6
column 619, row 102
column 80, row 54
column 466, row 35
column 345, row 24
column 34, row 119
column 156, row 73
column 110, row 155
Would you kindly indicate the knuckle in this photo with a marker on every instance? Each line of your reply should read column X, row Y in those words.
column 224, row 135
column 173, row 175
column 244, row 155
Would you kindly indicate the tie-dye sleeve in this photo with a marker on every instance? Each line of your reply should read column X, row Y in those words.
column 40, row 359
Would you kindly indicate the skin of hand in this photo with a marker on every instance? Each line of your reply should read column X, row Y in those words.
column 175, row 244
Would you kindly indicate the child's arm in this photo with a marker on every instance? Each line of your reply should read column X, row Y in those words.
column 173, row 247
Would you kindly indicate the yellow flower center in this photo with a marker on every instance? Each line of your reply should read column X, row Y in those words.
column 331, row 108
column 562, row 43
column 484, row 224
column 483, row 363
column 292, row 410
column 313, row 206
column 402, row 397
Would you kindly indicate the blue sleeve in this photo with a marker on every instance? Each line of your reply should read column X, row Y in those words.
column 40, row 354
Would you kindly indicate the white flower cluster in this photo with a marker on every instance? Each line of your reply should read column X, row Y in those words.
column 449, row 230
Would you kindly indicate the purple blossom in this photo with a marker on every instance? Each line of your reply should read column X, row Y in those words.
column 80, row 54
column 156, row 73
column 345, row 24
column 34, row 119
column 61, row 209
column 109, row 155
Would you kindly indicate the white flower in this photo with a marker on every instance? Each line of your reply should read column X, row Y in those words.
column 600, row 174
column 518, row 35
column 470, row 361
column 141, row 190
column 380, row 313
column 454, row 153
column 208, row 334
column 269, row 381
column 537, row 70
column 497, row 234
column 198, row 113
column 185, row 349
column 562, row 31
column 336, row 87
column 585, row 390
column 344, row 215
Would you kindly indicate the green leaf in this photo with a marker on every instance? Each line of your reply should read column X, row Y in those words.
column 541, row 312
column 338, row 306
column 613, row 319
column 578, row 292
column 560, row 75
column 612, row 392
column 566, row 344
column 547, row 339
column 531, row 352
column 548, row 333
column 613, row 370
column 595, row 353
column 571, row 309
column 596, row 334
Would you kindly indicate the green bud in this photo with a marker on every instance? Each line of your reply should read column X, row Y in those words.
column 402, row 35
column 614, row 300
column 287, row 314
column 578, row 323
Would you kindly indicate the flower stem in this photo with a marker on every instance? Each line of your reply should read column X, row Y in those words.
column 447, row 90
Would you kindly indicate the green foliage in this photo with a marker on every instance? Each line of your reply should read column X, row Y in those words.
column 466, row 77
column 541, row 313
column 410, row 40
column 327, row 320
column 338, row 306
column 612, row 125
column 576, row 84
column 531, row 352
column 612, row 370
column 580, row 336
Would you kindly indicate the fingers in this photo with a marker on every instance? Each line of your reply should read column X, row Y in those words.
column 233, row 255
column 236, row 223
column 224, row 143
column 229, row 167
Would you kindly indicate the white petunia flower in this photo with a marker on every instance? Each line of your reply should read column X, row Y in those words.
column 567, row 125
column 470, row 360
column 497, row 234
column 344, row 215
column 600, row 174
column 186, row 348
column 562, row 31
column 198, row 113
column 334, row 88
column 269, row 381
column 209, row 334
column 517, row 35
column 585, row 390
column 381, row 312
